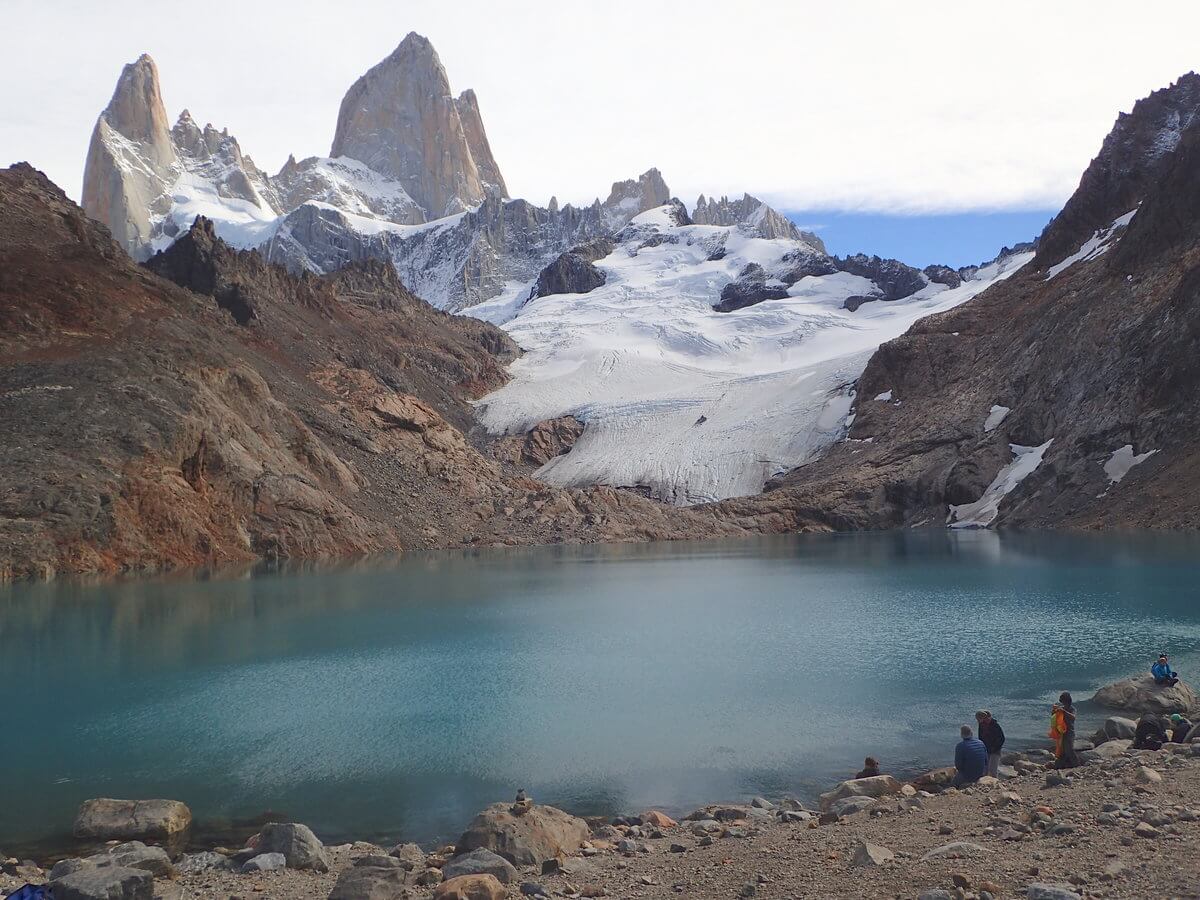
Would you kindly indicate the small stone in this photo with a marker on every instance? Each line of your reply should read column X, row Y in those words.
column 678, row 848
column 762, row 803
column 410, row 855
column 1146, row 830
column 960, row 880
column 1146, row 775
column 945, row 828
column 533, row 889
column 1056, row 779
column 866, row 855
column 749, row 889
column 481, row 862
column 264, row 862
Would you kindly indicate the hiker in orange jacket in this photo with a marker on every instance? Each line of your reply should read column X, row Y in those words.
column 1062, row 729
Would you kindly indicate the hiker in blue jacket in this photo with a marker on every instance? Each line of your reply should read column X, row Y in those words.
column 970, row 758
column 1162, row 673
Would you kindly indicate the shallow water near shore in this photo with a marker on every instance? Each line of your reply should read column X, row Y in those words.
column 393, row 699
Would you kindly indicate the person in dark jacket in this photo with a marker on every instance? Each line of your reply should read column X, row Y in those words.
column 970, row 758
column 992, row 736
column 1150, row 733
column 870, row 768
column 1179, row 728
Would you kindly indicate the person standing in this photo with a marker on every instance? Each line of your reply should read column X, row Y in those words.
column 1064, row 709
column 970, row 758
column 992, row 736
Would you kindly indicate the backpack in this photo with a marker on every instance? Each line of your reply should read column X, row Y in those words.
column 31, row 892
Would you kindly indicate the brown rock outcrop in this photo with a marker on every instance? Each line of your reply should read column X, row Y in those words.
column 246, row 412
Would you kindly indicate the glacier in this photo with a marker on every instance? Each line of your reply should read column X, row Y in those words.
column 684, row 402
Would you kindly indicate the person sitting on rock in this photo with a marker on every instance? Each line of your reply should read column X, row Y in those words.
column 1179, row 728
column 1162, row 673
column 1150, row 734
column 970, row 758
column 870, row 768
column 992, row 736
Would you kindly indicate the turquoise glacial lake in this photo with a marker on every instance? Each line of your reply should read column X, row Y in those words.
column 393, row 699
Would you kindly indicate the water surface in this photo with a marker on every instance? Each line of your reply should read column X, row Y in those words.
column 393, row 699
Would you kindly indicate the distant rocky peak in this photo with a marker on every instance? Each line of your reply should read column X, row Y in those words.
column 631, row 197
column 753, row 216
column 136, row 110
column 1132, row 159
column 401, row 120
column 467, row 105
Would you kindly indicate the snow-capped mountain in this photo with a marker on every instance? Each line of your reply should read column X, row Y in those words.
column 410, row 179
column 703, row 353
column 685, row 401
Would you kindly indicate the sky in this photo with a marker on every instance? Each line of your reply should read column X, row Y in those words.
column 878, row 110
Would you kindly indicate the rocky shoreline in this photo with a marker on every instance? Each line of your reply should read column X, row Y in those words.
column 1126, row 823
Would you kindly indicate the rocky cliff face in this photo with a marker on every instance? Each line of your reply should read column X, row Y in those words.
column 1133, row 157
column 227, row 410
column 131, row 159
column 401, row 120
column 467, row 105
column 1066, row 395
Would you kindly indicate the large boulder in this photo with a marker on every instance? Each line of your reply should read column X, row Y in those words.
column 1140, row 694
column 105, row 883
column 299, row 846
column 935, row 779
column 130, row 855
column 105, row 819
column 1114, row 728
column 878, row 786
column 481, row 862
column 470, row 887
column 361, row 882
column 528, row 839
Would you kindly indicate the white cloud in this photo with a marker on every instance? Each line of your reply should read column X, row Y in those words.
column 867, row 105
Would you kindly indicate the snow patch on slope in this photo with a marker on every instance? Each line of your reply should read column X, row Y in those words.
column 996, row 415
column 642, row 358
column 983, row 511
column 1096, row 245
column 1122, row 460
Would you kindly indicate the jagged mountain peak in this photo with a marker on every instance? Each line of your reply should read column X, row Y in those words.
column 1134, row 155
column 752, row 215
column 130, row 158
column 402, row 121
column 136, row 109
column 633, row 196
